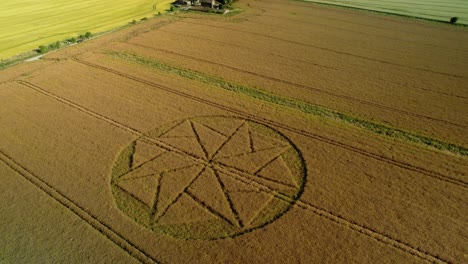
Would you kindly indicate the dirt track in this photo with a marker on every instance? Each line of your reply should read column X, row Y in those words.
column 119, row 136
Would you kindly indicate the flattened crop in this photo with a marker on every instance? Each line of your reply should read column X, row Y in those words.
column 208, row 177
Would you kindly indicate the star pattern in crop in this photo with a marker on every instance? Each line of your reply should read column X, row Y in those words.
column 197, row 171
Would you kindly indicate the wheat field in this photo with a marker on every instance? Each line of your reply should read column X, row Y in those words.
column 287, row 133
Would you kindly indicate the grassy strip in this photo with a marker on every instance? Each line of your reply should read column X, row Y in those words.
column 299, row 105
column 17, row 59
column 42, row 50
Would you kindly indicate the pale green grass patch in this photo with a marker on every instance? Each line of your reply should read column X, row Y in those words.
column 428, row 9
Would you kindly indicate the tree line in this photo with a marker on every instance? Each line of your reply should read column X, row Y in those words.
column 59, row 44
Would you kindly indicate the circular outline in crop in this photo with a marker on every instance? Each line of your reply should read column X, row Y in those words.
column 222, row 158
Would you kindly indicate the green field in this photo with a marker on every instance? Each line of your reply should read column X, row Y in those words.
column 26, row 24
column 429, row 9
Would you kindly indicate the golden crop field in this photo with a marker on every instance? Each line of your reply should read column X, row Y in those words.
column 288, row 133
column 436, row 10
column 31, row 23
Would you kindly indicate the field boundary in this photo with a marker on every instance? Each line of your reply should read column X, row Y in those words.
column 385, row 239
column 73, row 207
column 382, row 12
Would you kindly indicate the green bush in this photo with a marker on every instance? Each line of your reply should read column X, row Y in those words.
column 173, row 8
column 133, row 22
column 55, row 45
column 88, row 34
column 453, row 20
column 43, row 49
column 143, row 19
column 72, row 40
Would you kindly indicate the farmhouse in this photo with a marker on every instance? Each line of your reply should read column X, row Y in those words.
column 199, row 4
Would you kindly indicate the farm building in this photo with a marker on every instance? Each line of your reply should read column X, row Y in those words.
column 202, row 3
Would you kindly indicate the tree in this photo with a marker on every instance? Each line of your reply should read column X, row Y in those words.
column 227, row 3
column 55, row 45
column 453, row 20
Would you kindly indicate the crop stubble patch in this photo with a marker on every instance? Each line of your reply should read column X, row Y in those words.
column 202, row 177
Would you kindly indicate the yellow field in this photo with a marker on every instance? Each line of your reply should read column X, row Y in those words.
column 29, row 23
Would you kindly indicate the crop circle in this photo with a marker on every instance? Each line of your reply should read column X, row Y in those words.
column 208, row 177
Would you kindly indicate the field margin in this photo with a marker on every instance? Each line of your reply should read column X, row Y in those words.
column 383, row 12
